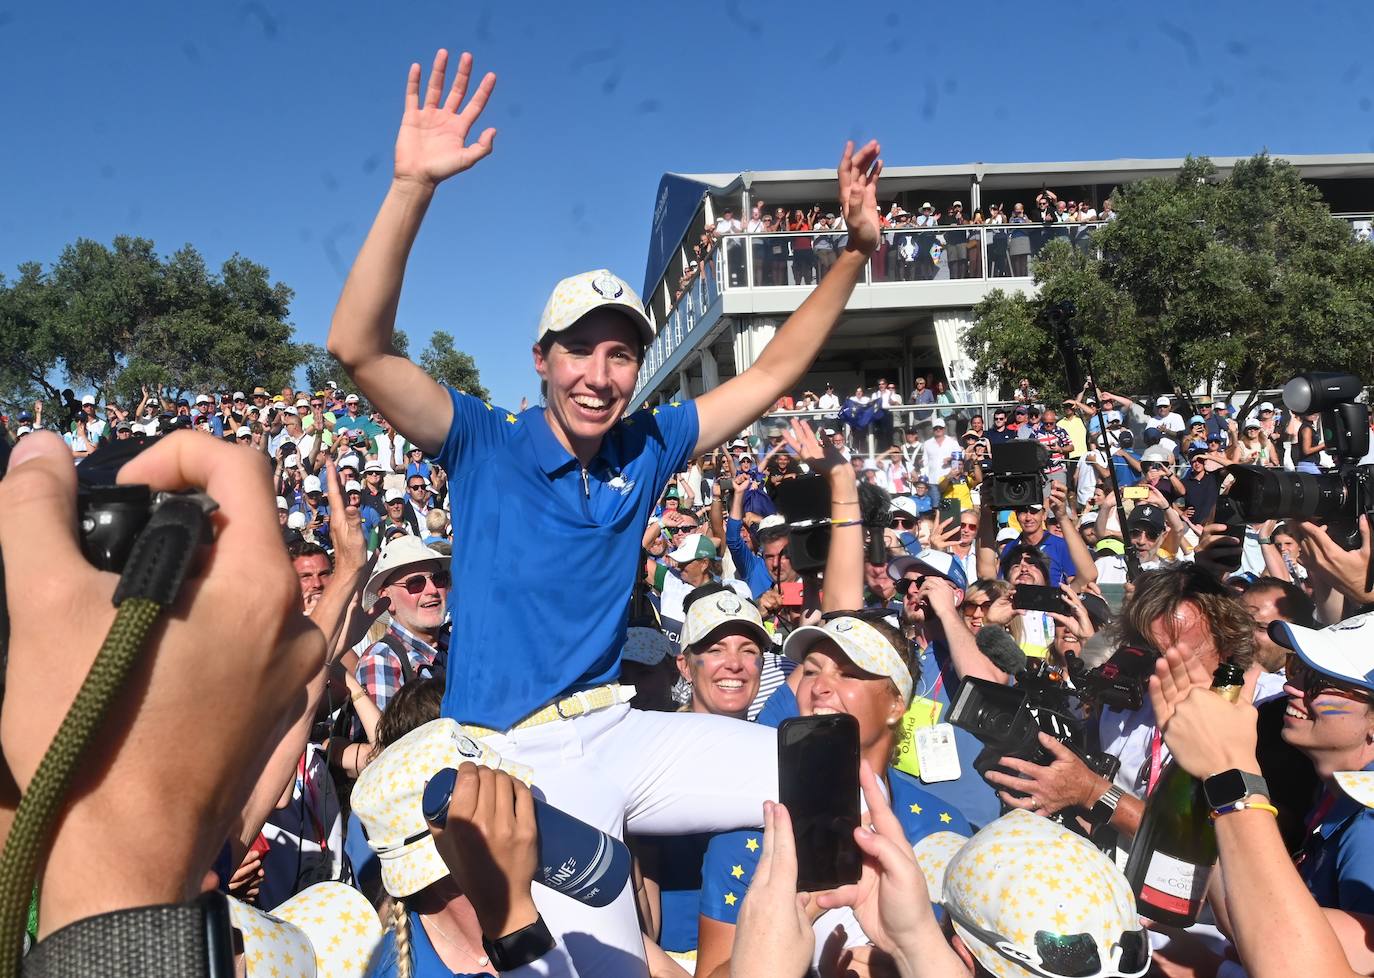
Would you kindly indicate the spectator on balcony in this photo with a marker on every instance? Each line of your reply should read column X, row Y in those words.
column 829, row 403
column 803, row 254
column 944, row 396
column 908, row 250
column 774, row 270
column 727, row 223
column 922, row 394
column 1025, row 393
column 999, row 255
column 755, row 226
column 886, row 398
column 974, row 246
column 926, row 259
column 956, row 242
column 824, row 246
column 1019, row 247
column 1086, row 212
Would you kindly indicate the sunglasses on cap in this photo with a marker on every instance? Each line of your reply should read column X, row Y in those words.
column 415, row 583
column 1068, row 955
column 1312, row 683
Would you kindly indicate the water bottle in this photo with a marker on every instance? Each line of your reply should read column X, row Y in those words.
column 576, row 859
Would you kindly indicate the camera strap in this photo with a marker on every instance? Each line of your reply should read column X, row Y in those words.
column 152, row 578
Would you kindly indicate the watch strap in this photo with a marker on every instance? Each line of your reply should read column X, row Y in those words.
column 193, row 939
column 521, row 947
column 1251, row 784
column 1105, row 807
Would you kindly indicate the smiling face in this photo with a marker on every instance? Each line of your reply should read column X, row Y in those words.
column 830, row 683
column 1329, row 721
column 724, row 674
column 590, row 371
column 421, row 612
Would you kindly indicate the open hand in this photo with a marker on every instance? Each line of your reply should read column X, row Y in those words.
column 432, row 144
column 774, row 935
column 858, row 173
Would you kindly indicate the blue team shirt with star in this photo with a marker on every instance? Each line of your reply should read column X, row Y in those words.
column 549, row 554
column 732, row 857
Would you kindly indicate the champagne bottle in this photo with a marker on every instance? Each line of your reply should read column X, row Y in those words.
column 1173, row 853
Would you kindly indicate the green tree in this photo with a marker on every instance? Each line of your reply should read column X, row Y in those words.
column 449, row 365
column 321, row 367
column 115, row 318
column 1219, row 284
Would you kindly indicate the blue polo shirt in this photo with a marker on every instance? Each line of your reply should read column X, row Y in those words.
column 550, row 551
column 732, row 857
column 1337, row 861
column 749, row 566
column 1056, row 551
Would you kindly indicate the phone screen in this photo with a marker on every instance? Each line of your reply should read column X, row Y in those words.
column 818, row 781
column 1034, row 597
column 950, row 509
column 792, row 593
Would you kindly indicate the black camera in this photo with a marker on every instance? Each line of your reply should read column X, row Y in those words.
column 1337, row 498
column 1119, row 683
column 1014, row 476
column 1009, row 721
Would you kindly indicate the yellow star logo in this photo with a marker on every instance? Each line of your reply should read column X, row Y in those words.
column 1020, row 936
column 731, row 899
column 1061, row 920
column 675, row 404
column 915, row 808
column 946, row 817
column 510, row 418
column 1004, row 896
column 654, row 412
column 752, row 845
column 486, row 405
column 737, row 871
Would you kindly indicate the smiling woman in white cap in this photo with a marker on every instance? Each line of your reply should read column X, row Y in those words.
column 579, row 471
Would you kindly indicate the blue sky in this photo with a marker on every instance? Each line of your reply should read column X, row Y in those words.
column 266, row 128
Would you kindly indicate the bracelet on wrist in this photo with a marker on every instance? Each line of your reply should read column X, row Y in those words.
column 1241, row 806
column 834, row 524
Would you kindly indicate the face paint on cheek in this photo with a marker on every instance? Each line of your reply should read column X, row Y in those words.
column 1331, row 710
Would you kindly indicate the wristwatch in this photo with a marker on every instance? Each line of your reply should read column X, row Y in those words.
column 1266, row 541
column 1103, row 809
column 1232, row 786
column 519, row 948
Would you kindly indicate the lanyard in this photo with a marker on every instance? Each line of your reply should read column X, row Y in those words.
column 1156, row 761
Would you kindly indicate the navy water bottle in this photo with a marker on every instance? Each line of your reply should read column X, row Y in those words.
column 576, row 859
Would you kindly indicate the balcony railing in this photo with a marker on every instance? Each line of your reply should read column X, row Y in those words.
column 989, row 252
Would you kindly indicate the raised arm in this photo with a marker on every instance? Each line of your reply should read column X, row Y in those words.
column 740, row 401
column 431, row 147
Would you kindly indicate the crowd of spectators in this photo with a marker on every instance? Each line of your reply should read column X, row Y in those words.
column 331, row 658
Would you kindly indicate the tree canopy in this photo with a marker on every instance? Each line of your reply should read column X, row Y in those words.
column 1218, row 284
column 114, row 318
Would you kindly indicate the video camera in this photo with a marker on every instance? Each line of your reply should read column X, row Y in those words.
column 1015, row 474
column 805, row 503
column 1337, row 498
column 1009, row 720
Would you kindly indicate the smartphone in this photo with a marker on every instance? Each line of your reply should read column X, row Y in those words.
column 818, row 781
column 791, row 594
column 1136, row 493
column 1230, row 557
column 950, row 509
column 1034, row 597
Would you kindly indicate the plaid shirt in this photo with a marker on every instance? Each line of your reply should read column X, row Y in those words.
column 379, row 669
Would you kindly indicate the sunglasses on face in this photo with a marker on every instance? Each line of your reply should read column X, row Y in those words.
column 418, row 485
column 1304, row 677
column 975, row 607
column 968, row 526
column 1147, row 533
column 903, row 523
column 416, row 582
column 905, row 585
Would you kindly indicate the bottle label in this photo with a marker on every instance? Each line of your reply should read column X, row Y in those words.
column 1174, row 885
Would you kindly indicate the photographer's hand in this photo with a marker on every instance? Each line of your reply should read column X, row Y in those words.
column 1346, row 569
column 1066, row 782
column 146, row 816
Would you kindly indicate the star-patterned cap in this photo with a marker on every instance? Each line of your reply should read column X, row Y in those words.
column 387, row 800
column 341, row 924
column 1026, row 891
column 861, row 643
column 578, row 295
column 271, row 946
column 1359, row 785
column 708, row 615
